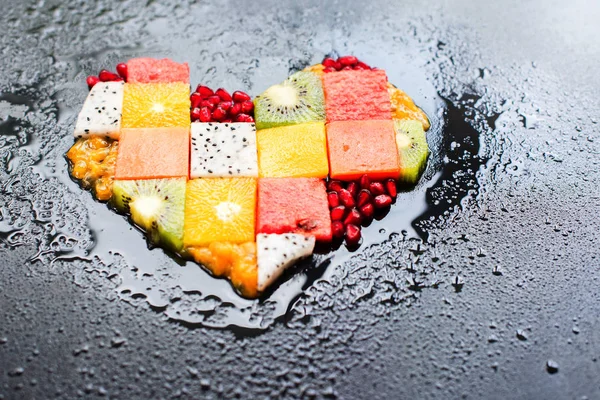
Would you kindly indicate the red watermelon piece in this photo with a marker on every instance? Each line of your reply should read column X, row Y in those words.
column 357, row 95
column 151, row 70
column 293, row 205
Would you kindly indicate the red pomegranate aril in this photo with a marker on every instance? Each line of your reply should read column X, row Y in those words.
column 329, row 69
column 348, row 61
column 91, row 81
column 195, row 99
column 107, row 76
column 250, row 119
column 346, row 198
column 337, row 229
column 223, row 94
column 205, row 114
column 365, row 182
column 333, row 199
column 336, row 186
column 359, row 68
column 362, row 65
column 367, row 211
column 204, row 91
column 352, row 235
column 235, row 109
column 353, row 217
column 390, row 186
column 122, row 70
column 195, row 114
column 328, row 62
column 214, row 99
column 225, row 105
column 219, row 114
column 364, row 197
column 239, row 97
column 226, row 120
column 347, row 68
column 247, row 107
column 337, row 213
column 244, row 118
column 337, row 66
column 352, row 188
column 376, row 188
column 382, row 201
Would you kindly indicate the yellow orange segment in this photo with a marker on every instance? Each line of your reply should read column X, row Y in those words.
column 404, row 108
column 156, row 105
column 219, row 210
column 293, row 151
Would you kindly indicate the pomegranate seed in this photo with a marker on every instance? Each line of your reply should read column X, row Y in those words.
column 365, row 182
column 347, row 68
column 352, row 235
column 336, row 186
column 207, row 104
column 353, row 218
column 227, row 120
column 328, row 62
column 223, row 94
column 107, row 76
column 205, row 115
column 204, row 91
column 122, row 70
column 346, row 198
column 225, row 105
column 364, row 197
column 337, row 66
column 337, row 229
column 332, row 199
column 362, row 65
column 338, row 213
column 390, row 186
column 348, row 61
column 382, row 201
column 219, row 114
column 92, row 80
column 240, row 97
column 359, row 68
column 247, row 107
column 244, row 118
column 195, row 114
column 352, row 188
column 195, row 99
column 214, row 99
column 367, row 211
column 250, row 119
column 329, row 69
column 376, row 188
column 235, row 109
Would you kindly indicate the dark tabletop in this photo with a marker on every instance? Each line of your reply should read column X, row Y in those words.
column 492, row 293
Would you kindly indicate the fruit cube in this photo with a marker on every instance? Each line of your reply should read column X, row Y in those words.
column 362, row 147
column 293, row 151
column 101, row 112
column 150, row 153
column 151, row 70
column 156, row 105
column 219, row 210
column 223, row 150
column 356, row 95
column 293, row 205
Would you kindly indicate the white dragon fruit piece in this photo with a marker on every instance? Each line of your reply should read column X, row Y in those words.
column 276, row 252
column 223, row 150
column 101, row 112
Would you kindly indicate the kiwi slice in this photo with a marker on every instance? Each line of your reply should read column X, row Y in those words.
column 412, row 149
column 156, row 206
column 296, row 100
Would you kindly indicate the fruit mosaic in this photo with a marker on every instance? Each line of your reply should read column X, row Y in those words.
column 248, row 187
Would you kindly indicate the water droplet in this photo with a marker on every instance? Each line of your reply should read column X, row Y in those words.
column 551, row 366
column 521, row 335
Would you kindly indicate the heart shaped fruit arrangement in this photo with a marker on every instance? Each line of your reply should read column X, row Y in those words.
column 246, row 187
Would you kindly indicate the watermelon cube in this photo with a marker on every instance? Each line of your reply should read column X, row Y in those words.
column 293, row 205
column 151, row 70
column 356, row 95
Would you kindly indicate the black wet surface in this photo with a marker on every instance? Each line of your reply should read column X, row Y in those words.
column 501, row 301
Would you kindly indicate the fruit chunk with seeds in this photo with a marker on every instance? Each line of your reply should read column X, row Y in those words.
column 296, row 100
column 412, row 150
column 362, row 147
column 156, row 206
column 293, row 151
column 293, row 205
column 356, row 95
column 236, row 262
column 152, row 153
column 101, row 112
column 223, row 150
column 404, row 108
column 156, row 105
column 151, row 70
column 220, row 209
column 277, row 252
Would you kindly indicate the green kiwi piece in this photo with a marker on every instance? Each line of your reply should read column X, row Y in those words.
column 156, row 206
column 412, row 149
column 296, row 100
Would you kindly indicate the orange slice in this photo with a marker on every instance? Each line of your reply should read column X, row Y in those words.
column 404, row 108
column 219, row 210
column 156, row 105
